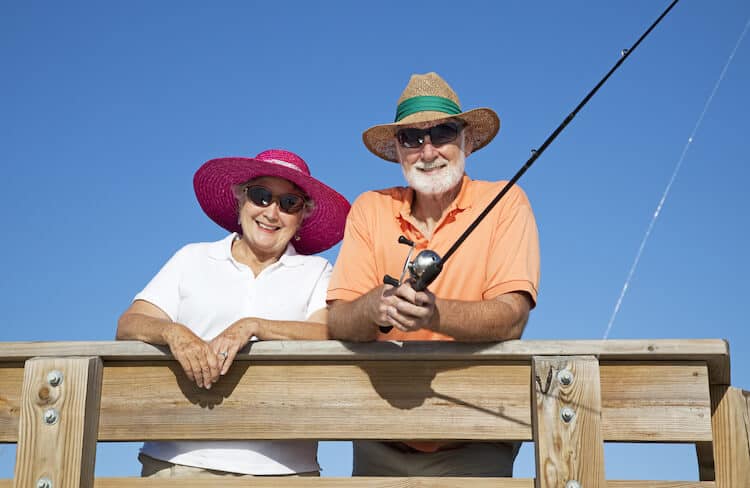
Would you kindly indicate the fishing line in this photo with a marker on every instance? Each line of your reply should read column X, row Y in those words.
column 657, row 212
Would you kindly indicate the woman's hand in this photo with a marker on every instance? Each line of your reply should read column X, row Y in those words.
column 199, row 361
column 231, row 340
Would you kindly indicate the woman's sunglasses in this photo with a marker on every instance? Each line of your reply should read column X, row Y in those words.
column 261, row 196
column 411, row 138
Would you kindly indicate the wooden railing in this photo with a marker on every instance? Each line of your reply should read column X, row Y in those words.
column 58, row 399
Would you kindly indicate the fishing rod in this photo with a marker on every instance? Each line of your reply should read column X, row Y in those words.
column 428, row 264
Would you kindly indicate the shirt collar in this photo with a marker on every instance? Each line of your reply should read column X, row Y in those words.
column 222, row 251
column 405, row 195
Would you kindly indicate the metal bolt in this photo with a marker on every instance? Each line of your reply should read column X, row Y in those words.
column 565, row 376
column 51, row 416
column 44, row 483
column 567, row 414
column 54, row 377
column 572, row 484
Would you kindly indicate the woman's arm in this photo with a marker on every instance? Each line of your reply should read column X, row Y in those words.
column 237, row 335
column 146, row 322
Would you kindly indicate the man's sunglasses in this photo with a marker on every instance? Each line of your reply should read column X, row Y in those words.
column 261, row 196
column 411, row 138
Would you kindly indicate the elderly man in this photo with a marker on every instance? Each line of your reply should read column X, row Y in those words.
column 486, row 289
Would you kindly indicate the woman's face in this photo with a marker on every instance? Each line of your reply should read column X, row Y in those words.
column 268, row 230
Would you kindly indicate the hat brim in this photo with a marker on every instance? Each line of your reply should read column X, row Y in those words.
column 322, row 229
column 381, row 139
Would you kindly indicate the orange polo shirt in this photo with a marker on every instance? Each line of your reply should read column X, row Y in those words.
column 500, row 256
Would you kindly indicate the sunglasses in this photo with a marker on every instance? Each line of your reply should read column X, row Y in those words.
column 261, row 196
column 440, row 134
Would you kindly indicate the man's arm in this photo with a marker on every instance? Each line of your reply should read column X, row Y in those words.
column 498, row 319
column 358, row 319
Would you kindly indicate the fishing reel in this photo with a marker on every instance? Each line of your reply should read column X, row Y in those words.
column 423, row 270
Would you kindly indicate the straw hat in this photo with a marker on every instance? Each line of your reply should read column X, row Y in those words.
column 320, row 230
column 427, row 98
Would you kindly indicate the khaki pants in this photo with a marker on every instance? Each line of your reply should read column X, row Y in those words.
column 473, row 459
column 156, row 468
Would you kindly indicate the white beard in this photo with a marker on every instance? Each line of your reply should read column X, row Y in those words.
column 437, row 182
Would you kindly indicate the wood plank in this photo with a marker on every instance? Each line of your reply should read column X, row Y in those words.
column 363, row 482
column 655, row 402
column 731, row 450
column 651, row 401
column 746, row 394
column 11, row 383
column 369, row 400
column 572, row 447
column 714, row 351
column 359, row 482
column 660, row 484
column 58, row 422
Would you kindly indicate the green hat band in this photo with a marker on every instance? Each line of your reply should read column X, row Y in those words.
column 425, row 104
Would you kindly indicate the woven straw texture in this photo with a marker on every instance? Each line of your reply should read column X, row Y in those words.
column 320, row 230
column 483, row 122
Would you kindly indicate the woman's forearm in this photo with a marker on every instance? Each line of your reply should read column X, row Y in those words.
column 142, row 327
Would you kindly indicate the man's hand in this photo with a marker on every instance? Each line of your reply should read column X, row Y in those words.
column 198, row 360
column 406, row 309
column 231, row 340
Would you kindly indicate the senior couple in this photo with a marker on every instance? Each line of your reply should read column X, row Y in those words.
column 210, row 299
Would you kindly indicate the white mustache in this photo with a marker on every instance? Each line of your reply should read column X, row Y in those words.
column 431, row 165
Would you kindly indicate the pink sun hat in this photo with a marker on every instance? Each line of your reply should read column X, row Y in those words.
column 320, row 230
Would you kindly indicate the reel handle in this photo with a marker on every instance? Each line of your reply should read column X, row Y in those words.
column 388, row 280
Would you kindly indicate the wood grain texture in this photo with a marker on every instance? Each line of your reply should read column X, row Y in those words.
column 573, row 449
column 11, row 384
column 288, row 400
column 655, row 401
column 731, row 450
column 652, row 401
column 63, row 451
column 363, row 482
column 714, row 351
column 746, row 395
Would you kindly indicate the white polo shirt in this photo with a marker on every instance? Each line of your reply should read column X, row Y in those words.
column 204, row 288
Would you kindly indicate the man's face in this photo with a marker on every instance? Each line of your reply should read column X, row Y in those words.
column 432, row 167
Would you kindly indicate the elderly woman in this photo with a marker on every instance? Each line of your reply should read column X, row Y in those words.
column 210, row 299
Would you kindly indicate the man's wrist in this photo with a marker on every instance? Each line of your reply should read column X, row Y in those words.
column 434, row 324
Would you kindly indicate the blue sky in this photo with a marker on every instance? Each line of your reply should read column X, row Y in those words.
column 107, row 109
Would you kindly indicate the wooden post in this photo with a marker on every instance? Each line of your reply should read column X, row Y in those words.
column 704, row 451
column 731, row 449
column 566, row 412
column 746, row 394
column 58, row 422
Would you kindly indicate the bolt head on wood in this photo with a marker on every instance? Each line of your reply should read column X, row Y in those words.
column 565, row 377
column 54, row 377
column 567, row 414
column 51, row 416
column 572, row 484
column 44, row 483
